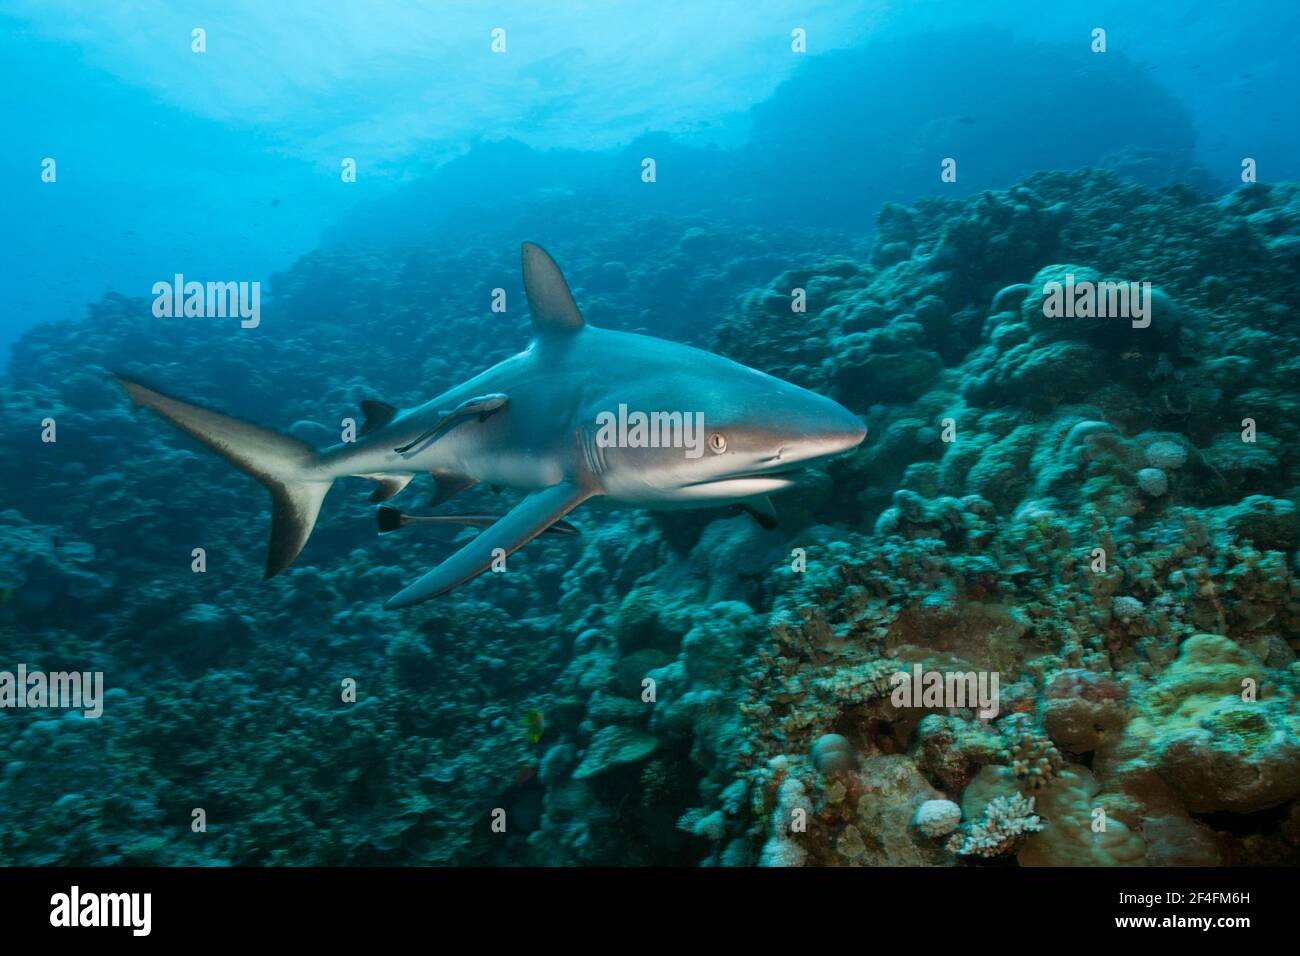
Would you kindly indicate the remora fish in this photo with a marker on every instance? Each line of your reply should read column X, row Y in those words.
column 531, row 423
column 390, row 519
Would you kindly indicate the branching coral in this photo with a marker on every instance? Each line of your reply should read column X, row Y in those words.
column 1001, row 829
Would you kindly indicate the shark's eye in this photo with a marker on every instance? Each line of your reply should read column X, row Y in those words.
column 717, row 443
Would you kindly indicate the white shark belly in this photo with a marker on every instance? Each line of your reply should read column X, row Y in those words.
column 492, row 456
column 710, row 495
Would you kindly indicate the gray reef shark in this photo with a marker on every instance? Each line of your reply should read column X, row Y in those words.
column 704, row 431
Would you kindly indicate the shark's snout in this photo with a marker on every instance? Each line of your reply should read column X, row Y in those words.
column 838, row 431
column 852, row 432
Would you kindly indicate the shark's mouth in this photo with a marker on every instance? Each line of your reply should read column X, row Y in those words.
column 774, row 473
column 746, row 485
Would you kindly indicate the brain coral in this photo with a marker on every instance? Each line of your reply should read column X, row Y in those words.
column 936, row 818
column 1166, row 455
column 1153, row 481
column 1219, row 728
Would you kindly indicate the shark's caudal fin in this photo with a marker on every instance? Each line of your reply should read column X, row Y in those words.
column 286, row 467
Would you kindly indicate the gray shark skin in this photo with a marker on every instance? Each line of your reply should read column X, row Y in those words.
column 531, row 423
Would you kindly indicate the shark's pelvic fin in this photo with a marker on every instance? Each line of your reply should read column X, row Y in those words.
column 549, row 298
column 763, row 511
column 480, row 407
column 526, row 521
column 287, row 468
column 389, row 485
column 449, row 485
column 390, row 519
column 378, row 414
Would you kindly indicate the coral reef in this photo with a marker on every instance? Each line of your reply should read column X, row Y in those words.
column 1101, row 515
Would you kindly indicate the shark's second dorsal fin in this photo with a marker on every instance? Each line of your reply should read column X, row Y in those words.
column 378, row 414
column 549, row 298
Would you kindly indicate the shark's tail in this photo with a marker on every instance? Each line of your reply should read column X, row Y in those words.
column 286, row 467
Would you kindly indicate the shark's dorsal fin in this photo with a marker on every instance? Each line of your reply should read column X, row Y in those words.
column 378, row 414
column 549, row 298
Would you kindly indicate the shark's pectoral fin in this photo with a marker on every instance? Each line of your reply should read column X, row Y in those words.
column 449, row 485
column 526, row 521
column 389, row 485
column 762, row 511
column 481, row 407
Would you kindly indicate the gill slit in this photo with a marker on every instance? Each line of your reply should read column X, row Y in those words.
column 594, row 454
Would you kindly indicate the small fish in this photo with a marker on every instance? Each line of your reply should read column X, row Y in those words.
column 390, row 519
column 534, row 725
column 481, row 407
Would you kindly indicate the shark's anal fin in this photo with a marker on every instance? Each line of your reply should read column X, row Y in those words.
column 762, row 511
column 389, row 485
column 378, row 414
column 481, row 407
column 449, row 484
column 526, row 521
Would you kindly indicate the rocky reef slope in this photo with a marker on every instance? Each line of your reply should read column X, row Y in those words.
column 1103, row 515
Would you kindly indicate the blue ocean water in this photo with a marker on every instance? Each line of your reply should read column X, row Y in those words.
column 875, row 202
column 165, row 151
